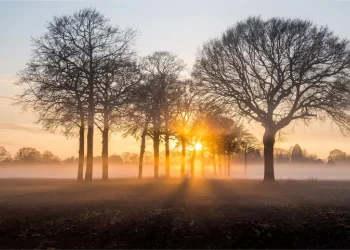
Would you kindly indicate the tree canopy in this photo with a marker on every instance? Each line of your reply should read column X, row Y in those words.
column 276, row 71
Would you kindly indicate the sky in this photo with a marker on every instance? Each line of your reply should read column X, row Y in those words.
column 177, row 26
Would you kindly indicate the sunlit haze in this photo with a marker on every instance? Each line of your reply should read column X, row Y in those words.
column 173, row 124
column 178, row 26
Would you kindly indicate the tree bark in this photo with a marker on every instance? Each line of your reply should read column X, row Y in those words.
column 228, row 165
column 105, row 133
column 245, row 163
column 193, row 160
column 214, row 160
column 81, row 151
column 220, row 166
column 156, row 154
column 167, row 155
column 269, row 141
column 202, row 161
column 142, row 152
column 183, row 156
column 91, row 123
column 90, row 154
column 225, row 164
column 166, row 139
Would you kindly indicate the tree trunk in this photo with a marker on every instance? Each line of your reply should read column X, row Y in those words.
column 225, row 163
column 81, row 151
column 156, row 155
column 202, row 161
column 193, row 162
column 167, row 138
column 269, row 141
column 105, row 133
column 91, row 122
column 183, row 156
column 220, row 166
column 90, row 153
column 167, row 155
column 142, row 152
column 245, row 163
column 214, row 161
column 228, row 167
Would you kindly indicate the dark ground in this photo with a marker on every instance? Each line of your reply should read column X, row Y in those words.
column 174, row 214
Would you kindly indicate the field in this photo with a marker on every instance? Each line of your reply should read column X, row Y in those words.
column 175, row 213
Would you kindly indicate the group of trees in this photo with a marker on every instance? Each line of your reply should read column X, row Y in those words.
column 337, row 156
column 296, row 155
column 84, row 73
column 277, row 71
column 28, row 155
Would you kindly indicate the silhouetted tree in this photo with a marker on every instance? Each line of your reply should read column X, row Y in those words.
column 215, row 130
column 49, row 157
column 116, row 159
column 57, row 95
column 231, row 143
column 70, row 160
column 215, row 125
column 4, row 154
column 337, row 155
column 277, row 71
column 282, row 155
column 297, row 154
column 114, row 89
column 77, row 47
column 248, row 144
column 28, row 155
column 186, row 107
column 160, row 70
column 138, row 118
column 129, row 157
column 310, row 158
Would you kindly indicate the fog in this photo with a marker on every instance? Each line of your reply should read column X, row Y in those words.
column 254, row 171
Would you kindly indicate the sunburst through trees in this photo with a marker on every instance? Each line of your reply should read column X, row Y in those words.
column 84, row 73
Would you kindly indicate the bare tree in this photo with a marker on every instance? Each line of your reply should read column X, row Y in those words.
column 28, row 155
column 161, row 69
column 4, row 154
column 138, row 119
column 205, row 115
column 81, row 43
column 275, row 72
column 55, row 91
column 230, row 140
column 48, row 157
column 248, row 144
column 185, row 110
column 220, row 133
column 114, row 91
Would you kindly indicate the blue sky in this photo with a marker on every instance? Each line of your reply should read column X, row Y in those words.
column 177, row 26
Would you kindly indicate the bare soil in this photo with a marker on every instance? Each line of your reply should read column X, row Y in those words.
column 175, row 213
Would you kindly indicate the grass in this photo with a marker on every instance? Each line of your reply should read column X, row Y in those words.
column 129, row 213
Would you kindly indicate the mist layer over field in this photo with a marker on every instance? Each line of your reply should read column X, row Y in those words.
column 254, row 171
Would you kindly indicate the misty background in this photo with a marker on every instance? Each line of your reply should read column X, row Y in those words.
column 181, row 26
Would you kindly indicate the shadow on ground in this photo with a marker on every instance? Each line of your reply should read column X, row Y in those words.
column 174, row 213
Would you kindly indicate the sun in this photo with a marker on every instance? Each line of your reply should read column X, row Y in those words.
column 198, row 146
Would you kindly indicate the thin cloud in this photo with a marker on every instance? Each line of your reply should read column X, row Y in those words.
column 21, row 128
column 8, row 143
column 6, row 97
